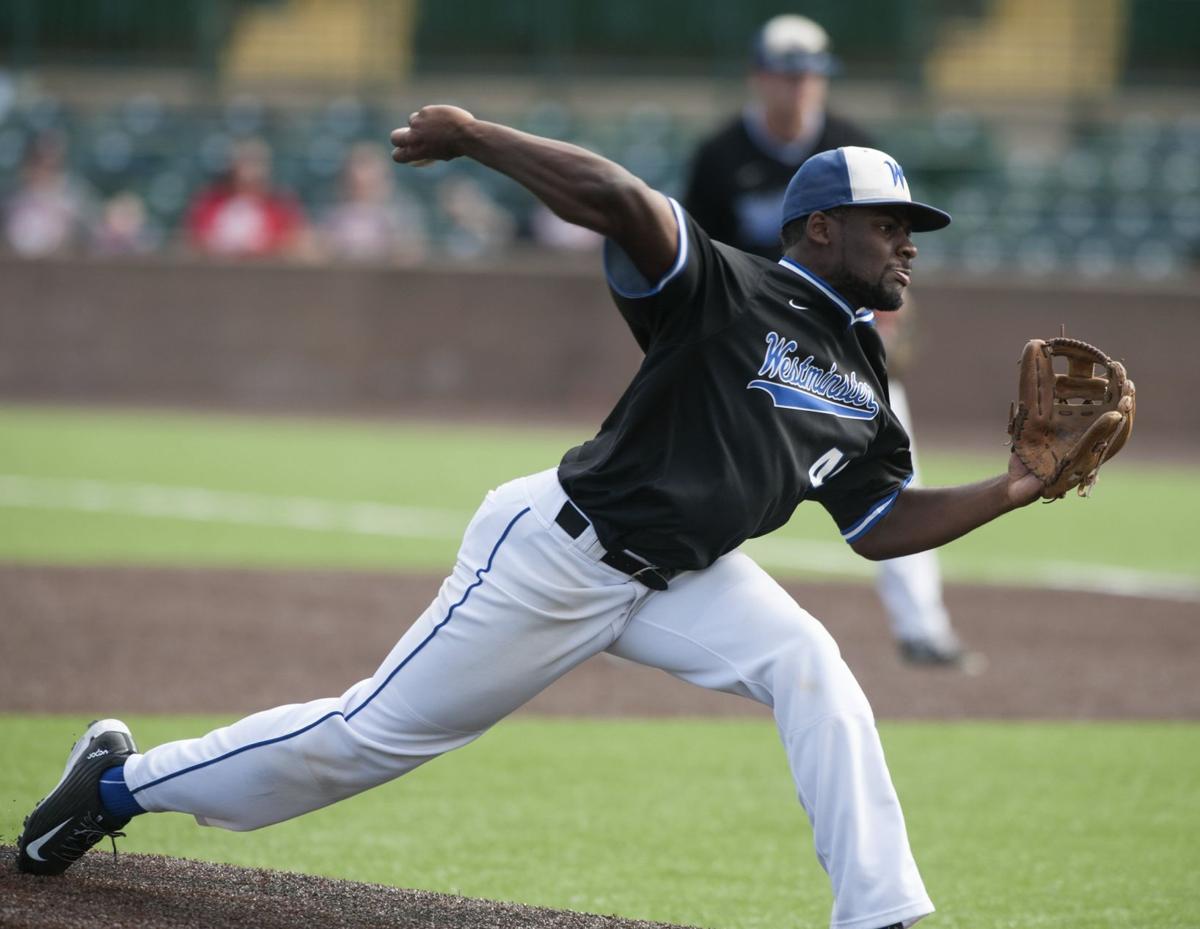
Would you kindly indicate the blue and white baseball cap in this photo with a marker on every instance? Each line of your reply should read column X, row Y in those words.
column 854, row 176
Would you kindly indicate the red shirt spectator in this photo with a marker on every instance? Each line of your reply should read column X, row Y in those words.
column 242, row 215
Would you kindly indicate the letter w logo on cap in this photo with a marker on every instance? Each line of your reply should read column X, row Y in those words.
column 898, row 179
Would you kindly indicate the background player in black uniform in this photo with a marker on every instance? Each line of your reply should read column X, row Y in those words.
column 739, row 174
column 735, row 191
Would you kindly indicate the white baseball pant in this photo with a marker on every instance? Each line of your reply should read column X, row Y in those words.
column 910, row 587
column 525, row 604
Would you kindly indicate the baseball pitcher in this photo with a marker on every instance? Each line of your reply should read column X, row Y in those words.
column 762, row 386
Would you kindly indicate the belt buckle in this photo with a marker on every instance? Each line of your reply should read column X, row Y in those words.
column 651, row 577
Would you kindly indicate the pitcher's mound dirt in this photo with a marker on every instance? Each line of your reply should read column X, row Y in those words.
column 171, row 893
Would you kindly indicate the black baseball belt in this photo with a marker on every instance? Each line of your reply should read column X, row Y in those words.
column 574, row 522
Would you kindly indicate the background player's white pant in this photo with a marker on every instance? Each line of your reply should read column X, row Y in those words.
column 911, row 587
column 524, row 605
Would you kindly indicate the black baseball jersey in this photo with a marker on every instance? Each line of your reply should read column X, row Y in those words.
column 760, row 388
column 738, row 178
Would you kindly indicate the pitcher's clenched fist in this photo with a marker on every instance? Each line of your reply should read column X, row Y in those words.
column 434, row 133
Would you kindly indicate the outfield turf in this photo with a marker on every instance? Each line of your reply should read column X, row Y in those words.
column 101, row 487
column 1014, row 824
column 694, row 821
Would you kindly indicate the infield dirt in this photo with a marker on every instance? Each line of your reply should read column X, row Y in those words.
column 238, row 641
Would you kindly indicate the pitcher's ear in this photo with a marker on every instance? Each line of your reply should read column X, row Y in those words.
column 819, row 227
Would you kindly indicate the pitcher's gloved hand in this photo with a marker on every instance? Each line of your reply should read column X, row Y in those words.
column 1065, row 426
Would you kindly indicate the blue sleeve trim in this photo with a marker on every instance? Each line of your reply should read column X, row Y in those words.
column 877, row 513
column 626, row 280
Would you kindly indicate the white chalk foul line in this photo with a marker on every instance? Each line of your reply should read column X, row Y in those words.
column 313, row 514
column 1083, row 577
column 200, row 504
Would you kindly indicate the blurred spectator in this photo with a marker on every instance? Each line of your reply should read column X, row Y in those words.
column 738, row 175
column 47, row 212
column 372, row 221
column 122, row 228
column 476, row 226
column 551, row 232
column 243, row 216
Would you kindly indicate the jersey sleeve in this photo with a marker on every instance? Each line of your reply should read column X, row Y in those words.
column 699, row 294
column 862, row 494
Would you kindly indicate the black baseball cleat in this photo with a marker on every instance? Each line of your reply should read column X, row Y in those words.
column 70, row 820
column 928, row 653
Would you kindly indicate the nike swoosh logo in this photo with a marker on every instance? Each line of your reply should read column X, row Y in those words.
column 796, row 306
column 33, row 848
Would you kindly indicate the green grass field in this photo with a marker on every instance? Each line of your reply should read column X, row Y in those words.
column 1014, row 825
column 92, row 487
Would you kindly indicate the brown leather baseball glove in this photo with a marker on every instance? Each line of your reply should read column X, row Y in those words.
column 1064, row 426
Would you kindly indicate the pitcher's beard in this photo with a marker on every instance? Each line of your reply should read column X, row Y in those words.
column 872, row 295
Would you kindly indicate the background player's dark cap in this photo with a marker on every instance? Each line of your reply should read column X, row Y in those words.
column 791, row 44
column 854, row 176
